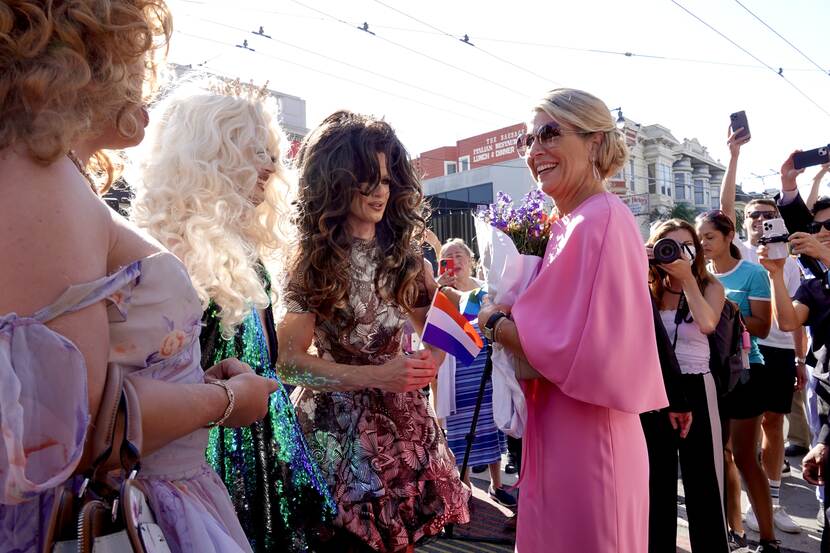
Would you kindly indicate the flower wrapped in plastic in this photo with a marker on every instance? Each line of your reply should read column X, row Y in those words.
column 511, row 243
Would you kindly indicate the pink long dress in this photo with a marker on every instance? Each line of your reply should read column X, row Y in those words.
column 585, row 323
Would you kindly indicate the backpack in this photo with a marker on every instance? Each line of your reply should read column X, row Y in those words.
column 726, row 359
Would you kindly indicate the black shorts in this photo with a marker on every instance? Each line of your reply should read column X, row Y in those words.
column 746, row 400
column 779, row 378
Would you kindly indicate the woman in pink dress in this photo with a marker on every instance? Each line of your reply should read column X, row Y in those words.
column 585, row 328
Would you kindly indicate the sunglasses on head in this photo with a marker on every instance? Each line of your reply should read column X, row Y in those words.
column 547, row 135
column 815, row 226
column 762, row 215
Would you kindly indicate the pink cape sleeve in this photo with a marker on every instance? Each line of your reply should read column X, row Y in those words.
column 586, row 322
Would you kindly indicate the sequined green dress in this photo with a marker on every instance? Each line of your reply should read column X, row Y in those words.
column 279, row 494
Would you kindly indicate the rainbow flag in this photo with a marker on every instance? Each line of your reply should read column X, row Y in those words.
column 448, row 330
column 471, row 303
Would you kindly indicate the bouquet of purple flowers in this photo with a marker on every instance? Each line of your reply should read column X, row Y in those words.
column 527, row 226
column 511, row 242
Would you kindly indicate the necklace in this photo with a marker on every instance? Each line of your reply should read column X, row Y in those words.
column 675, row 292
column 81, row 169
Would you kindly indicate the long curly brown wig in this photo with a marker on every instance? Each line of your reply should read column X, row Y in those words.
column 70, row 67
column 334, row 161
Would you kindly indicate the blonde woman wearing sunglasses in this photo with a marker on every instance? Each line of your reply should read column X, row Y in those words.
column 585, row 328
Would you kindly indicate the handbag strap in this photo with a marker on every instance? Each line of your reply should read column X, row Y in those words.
column 119, row 396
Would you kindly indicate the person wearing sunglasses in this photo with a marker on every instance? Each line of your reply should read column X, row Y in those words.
column 784, row 373
column 584, row 326
column 811, row 307
column 746, row 284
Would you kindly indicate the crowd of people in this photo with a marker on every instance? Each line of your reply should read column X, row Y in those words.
column 247, row 319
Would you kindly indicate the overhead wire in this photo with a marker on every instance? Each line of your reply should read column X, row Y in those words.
column 623, row 53
column 338, row 77
column 467, row 42
column 414, row 51
column 753, row 56
column 793, row 46
column 357, row 67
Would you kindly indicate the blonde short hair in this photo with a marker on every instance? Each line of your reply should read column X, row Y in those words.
column 585, row 112
column 68, row 68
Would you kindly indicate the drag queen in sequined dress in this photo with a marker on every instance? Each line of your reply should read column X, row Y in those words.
column 220, row 204
column 355, row 279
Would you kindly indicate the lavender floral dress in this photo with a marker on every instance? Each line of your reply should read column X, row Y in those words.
column 387, row 462
column 155, row 319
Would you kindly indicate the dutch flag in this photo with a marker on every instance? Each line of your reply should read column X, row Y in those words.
column 450, row 331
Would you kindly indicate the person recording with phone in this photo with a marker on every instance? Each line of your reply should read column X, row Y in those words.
column 456, row 282
column 746, row 285
column 799, row 218
column 690, row 301
column 784, row 371
column 810, row 307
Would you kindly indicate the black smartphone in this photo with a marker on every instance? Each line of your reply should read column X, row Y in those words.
column 818, row 156
column 738, row 121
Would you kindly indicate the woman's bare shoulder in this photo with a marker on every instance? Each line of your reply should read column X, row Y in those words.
column 54, row 232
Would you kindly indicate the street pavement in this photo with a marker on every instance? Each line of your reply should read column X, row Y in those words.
column 797, row 497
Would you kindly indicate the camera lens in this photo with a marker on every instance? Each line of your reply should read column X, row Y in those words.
column 666, row 250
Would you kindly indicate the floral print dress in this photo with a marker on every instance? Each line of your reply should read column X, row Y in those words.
column 155, row 321
column 385, row 457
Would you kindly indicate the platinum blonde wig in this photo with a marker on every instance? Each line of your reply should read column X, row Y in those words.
column 195, row 182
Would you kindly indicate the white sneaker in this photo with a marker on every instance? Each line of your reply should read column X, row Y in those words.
column 750, row 521
column 783, row 521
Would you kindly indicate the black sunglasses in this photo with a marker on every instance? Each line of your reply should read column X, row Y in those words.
column 815, row 226
column 762, row 215
column 547, row 135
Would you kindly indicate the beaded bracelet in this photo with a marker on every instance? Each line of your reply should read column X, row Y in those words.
column 231, row 403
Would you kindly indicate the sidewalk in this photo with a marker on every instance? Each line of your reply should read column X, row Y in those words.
column 797, row 496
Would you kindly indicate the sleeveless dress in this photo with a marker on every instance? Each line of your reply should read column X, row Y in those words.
column 385, row 457
column 155, row 321
column 277, row 488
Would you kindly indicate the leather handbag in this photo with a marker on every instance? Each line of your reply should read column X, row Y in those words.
column 106, row 516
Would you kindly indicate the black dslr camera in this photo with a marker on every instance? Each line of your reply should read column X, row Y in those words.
column 665, row 250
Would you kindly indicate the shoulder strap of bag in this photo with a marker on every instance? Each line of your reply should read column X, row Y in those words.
column 119, row 394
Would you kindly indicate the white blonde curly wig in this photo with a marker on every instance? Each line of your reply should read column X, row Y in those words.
column 194, row 180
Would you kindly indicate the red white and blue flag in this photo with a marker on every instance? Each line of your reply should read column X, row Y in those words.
column 448, row 330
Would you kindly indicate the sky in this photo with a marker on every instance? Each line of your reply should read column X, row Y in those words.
column 434, row 89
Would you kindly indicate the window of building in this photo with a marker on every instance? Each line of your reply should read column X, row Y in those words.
column 715, row 195
column 664, row 175
column 699, row 186
column 450, row 167
column 631, row 184
column 481, row 194
column 464, row 163
column 680, row 185
column 652, row 178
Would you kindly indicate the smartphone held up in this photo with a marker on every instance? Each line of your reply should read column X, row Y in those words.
column 775, row 237
column 737, row 121
column 446, row 266
column 817, row 156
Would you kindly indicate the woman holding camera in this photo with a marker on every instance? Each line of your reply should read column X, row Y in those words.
column 746, row 284
column 592, row 367
column 690, row 301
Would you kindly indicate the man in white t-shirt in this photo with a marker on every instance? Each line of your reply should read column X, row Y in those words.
column 784, row 352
